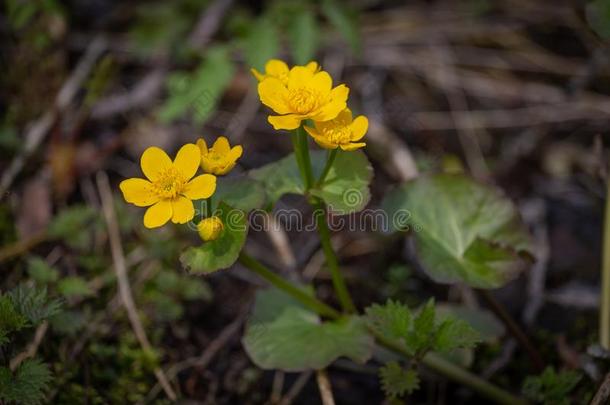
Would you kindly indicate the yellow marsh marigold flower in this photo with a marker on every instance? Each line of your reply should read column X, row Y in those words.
column 220, row 158
column 305, row 95
column 210, row 228
column 279, row 69
column 170, row 186
column 342, row 132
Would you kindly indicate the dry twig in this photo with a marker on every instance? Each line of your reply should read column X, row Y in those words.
column 123, row 281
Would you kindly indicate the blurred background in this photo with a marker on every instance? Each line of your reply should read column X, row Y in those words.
column 514, row 92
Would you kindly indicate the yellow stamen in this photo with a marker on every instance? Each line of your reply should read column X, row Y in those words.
column 169, row 184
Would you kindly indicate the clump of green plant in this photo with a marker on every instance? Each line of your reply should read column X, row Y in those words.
column 464, row 232
column 551, row 387
column 23, row 379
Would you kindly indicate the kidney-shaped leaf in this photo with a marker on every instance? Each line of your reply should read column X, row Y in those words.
column 464, row 231
column 241, row 192
column 345, row 189
column 283, row 335
column 220, row 253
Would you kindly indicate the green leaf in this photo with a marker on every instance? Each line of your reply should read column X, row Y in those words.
column 222, row 252
column 598, row 17
column 489, row 327
column 74, row 287
column 396, row 381
column 68, row 322
column 345, row 189
column 241, row 192
column 41, row 272
column 198, row 93
column 551, row 388
column 33, row 304
column 303, row 33
column 10, row 319
column 455, row 334
column 261, row 43
column 283, row 335
column 421, row 336
column 344, row 21
column 464, row 231
column 393, row 319
column 27, row 385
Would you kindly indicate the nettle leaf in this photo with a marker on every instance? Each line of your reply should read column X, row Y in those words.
column 222, row 252
column 261, row 43
column 423, row 331
column 303, row 34
column 396, row 381
column 392, row 319
column 551, row 387
column 464, row 231
column 345, row 189
column 27, row 385
column 242, row 193
column 198, row 93
column 283, row 335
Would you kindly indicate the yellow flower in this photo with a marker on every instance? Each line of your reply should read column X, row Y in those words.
column 279, row 69
column 210, row 228
column 170, row 186
column 220, row 158
column 343, row 131
column 305, row 95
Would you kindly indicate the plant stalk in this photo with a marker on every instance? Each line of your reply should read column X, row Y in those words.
column 331, row 259
column 332, row 154
column 431, row 360
column 604, row 309
column 208, row 207
column 279, row 282
column 301, row 151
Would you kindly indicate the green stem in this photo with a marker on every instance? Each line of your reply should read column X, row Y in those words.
column 301, row 151
column 296, row 292
column 431, row 360
column 331, row 259
column 332, row 154
column 604, row 309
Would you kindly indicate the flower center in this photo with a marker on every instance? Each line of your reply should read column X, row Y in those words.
column 338, row 135
column 169, row 184
column 214, row 156
column 303, row 100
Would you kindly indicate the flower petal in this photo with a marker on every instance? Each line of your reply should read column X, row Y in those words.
column 313, row 132
column 187, row 160
column 337, row 104
column 153, row 161
column 290, row 121
column 273, row 94
column 221, row 146
column 139, row 192
column 235, row 153
column 313, row 66
column 324, row 143
column 352, row 146
column 321, row 82
column 359, row 127
column 158, row 214
column 299, row 76
column 203, row 147
column 259, row 76
column 276, row 68
column 183, row 210
column 200, row 187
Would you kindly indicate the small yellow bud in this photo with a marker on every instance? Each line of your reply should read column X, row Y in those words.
column 210, row 228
